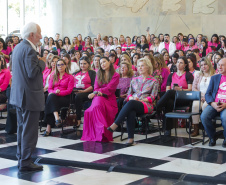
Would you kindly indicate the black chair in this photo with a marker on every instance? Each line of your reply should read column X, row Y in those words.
column 189, row 96
column 145, row 120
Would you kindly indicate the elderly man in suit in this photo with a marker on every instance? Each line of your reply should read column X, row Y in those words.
column 27, row 94
column 216, row 98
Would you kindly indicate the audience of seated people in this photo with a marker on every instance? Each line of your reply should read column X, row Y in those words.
column 182, row 58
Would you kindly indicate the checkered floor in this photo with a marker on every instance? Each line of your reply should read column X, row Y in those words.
column 68, row 160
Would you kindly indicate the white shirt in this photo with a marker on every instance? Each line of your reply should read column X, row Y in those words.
column 204, row 84
column 74, row 67
column 33, row 46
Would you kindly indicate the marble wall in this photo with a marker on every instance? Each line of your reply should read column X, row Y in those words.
column 132, row 17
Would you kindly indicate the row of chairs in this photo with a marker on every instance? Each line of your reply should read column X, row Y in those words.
column 145, row 119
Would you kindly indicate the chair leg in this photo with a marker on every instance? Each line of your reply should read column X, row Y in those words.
column 146, row 127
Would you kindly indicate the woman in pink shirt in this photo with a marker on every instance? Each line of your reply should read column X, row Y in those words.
column 5, row 77
column 75, row 44
column 214, row 41
column 60, row 87
column 175, row 40
column 49, row 72
column 101, row 114
column 81, row 42
column 87, row 45
column 4, row 50
column 178, row 81
column 191, row 45
column 84, row 84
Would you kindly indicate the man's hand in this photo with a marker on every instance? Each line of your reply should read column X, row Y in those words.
column 218, row 108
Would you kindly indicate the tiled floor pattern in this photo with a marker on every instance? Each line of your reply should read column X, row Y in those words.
column 167, row 155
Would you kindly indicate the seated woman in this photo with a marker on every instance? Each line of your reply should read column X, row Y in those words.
column 84, row 84
column 72, row 66
column 102, row 112
column 140, row 99
column 201, row 83
column 178, row 81
column 96, row 62
column 5, row 77
column 126, row 74
column 192, row 66
column 60, row 87
column 49, row 72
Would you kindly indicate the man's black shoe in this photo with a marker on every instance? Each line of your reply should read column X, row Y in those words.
column 31, row 167
column 167, row 133
column 212, row 142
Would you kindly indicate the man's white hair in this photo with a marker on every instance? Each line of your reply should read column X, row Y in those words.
column 27, row 29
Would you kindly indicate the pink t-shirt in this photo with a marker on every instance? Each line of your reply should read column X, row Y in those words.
column 180, row 80
column 82, row 80
column 178, row 46
column 221, row 94
column 5, row 77
column 167, row 46
column 212, row 44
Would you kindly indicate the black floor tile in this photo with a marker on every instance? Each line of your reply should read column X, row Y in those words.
column 168, row 141
column 7, row 138
column 131, row 161
column 203, row 154
column 95, row 147
column 161, row 181
column 68, row 134
column 11, row 150
column 153, row 181
column 49, row 172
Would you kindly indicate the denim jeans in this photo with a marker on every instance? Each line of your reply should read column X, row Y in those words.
column 207, row 115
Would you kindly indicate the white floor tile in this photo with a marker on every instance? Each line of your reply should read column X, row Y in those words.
column 97, row 177
column 150, row 151
column 5, row 180
column 74, row 155
column 54, row 142
column 192, row 167
column 6, row 163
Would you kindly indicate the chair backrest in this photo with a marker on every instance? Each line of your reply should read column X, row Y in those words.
column 188, row 96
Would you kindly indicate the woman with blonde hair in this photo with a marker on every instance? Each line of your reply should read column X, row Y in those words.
column 75, row 44
column 201, row 83
column 140, row 99
column 60, row 87
column 126, row 73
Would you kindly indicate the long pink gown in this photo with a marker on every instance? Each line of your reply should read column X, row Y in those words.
column 101, row 114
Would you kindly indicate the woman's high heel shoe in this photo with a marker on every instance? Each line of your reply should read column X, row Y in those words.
column 129, row 144
column 46, row 134
column 109, row 128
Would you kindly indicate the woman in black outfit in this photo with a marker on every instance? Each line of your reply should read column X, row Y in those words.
column 178, row 81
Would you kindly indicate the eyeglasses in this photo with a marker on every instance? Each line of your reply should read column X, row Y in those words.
column 60, row 65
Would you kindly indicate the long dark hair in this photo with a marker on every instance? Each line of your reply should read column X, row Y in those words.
column 101, row 73
column 4, row 44
column 185, row 62
column 69, row 42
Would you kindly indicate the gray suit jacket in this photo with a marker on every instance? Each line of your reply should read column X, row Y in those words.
column 27, row 81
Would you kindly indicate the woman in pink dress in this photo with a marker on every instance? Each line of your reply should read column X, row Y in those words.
column 104, row 107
